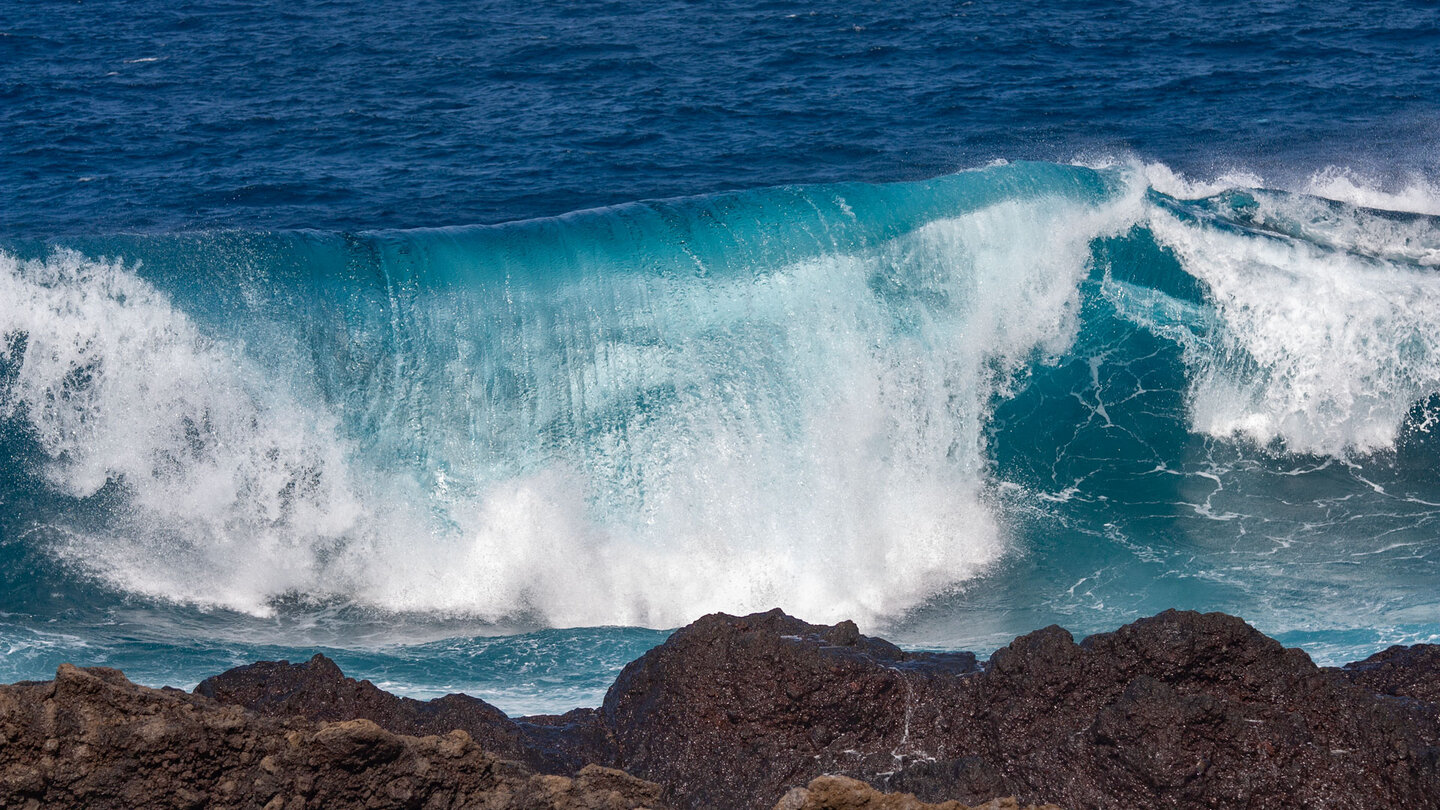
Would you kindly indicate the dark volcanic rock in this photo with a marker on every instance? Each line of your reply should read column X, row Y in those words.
column 91, row 739
column 731, row 712
column 844, row 793
column 1409, row 672
column 318, row 690
column 1180, row 710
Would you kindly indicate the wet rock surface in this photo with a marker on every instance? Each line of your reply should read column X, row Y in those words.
column 92, row 739
column 1181, row 710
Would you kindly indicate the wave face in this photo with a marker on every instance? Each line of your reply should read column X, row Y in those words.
column 952, row 408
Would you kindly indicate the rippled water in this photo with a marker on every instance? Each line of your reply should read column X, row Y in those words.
column 347, row 115
column 1150, row 322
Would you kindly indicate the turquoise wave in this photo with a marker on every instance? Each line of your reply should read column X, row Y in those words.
column 954, row 409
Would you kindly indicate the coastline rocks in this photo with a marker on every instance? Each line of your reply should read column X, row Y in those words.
column 318, row 690
column 1180, row 710
column 92, row 739
column 843, row 793
column 1406, row 672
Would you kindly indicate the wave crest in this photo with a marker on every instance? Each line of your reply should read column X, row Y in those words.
column 636, row 415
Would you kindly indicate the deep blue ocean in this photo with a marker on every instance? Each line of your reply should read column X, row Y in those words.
column 478, row 344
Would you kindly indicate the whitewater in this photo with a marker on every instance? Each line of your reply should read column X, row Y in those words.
column 953, row 410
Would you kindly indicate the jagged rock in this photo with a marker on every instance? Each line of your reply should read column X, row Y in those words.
column 731, row 712
column 91, row 739
column 1181, row 710
column 318, row 690
column 1409, row 672
column 844, row 793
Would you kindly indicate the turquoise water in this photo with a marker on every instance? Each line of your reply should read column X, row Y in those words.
column 956, row 319
column 954, row 410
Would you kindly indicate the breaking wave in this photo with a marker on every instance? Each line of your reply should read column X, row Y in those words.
column 639, row 414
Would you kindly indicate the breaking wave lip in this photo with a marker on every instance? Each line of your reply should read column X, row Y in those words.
column 636, row 415
column 1324, row 351
column 1412, row 194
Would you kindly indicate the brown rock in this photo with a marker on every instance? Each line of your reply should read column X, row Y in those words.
column 92, row 739
column 318, row 690
column 1182, row 710
column 1408, row 672
column 844, row 793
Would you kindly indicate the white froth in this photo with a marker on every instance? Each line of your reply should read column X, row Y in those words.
column 1416, row 194
column 1175, row 184
column 1346, row 228
column 816, row 442
column 230, row 482
column 1167, row 181
column 1329, row 331
column 1321, row 349
column 1412, row 194
column 809, row 436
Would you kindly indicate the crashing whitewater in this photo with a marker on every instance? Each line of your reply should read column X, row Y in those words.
column 850, row 401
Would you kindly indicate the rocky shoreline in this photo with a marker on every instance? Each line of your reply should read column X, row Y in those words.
column 1180, row 710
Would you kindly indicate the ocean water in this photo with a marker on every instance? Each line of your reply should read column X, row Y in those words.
column 478, row 345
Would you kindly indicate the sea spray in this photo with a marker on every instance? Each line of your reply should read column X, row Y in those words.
column 1323, row 348
column 623, row 417
column 956, row 410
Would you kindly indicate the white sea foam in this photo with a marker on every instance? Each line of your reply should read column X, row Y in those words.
column 231, row 482
column 640, row 448
column 1414, row 194
column 1166, row 180
column 1175, row 184
column 1372, row 233
column 1320, row 347
column 1411, row 194
column 815, row 439
column 1330, row 332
